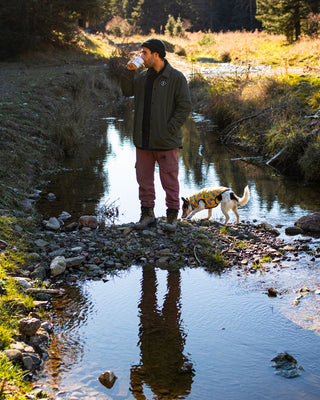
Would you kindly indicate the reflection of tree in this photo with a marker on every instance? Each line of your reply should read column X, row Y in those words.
column 163, row 366
column 192, row 159
column 69, row 312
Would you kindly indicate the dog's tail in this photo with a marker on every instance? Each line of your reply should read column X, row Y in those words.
column 245, row 198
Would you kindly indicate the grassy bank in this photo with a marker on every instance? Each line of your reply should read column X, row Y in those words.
column 278, row 117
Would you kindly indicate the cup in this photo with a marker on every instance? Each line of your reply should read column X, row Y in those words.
column 137, row 62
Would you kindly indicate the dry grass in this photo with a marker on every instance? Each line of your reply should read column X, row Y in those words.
column 248, row 48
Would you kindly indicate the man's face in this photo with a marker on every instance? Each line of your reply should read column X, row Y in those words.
column 148, row 57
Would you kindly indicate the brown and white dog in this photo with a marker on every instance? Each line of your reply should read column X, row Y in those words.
column 209, row 198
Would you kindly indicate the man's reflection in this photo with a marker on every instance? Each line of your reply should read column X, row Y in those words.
column 163, row 366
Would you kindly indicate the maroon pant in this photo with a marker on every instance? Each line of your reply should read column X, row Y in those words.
column 168, row 167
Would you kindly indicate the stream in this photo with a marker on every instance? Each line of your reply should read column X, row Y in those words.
column 186, row 334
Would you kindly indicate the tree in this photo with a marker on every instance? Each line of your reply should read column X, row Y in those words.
column 283, row 16
column 27, row 24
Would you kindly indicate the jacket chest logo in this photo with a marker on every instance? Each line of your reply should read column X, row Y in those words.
column 163, row 82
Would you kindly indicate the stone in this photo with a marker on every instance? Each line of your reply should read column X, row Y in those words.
column 107, row 379
column 53, row 224
column 309, row 223
column 64, row 215
column 31, row 361
column 39, row 273
column 286, row 366
column 41, row 336
column 13, row 354
column 51, row 196
column 23, row 282
column 293, row 230
column 272, row 292
column 42, row 244
column 88, row 221
column 58, row 265
column 75, row 261
column 71, row 227
column 29, row 326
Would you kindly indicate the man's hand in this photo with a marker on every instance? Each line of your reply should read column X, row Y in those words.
column 131, row 66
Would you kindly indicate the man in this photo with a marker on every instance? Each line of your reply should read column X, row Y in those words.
column 162, row 104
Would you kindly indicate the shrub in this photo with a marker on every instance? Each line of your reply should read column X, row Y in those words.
column 226, row 57
column 170, row 25
column 118, row 27
column 178, row 28
column 207, row 39
column 310, row 161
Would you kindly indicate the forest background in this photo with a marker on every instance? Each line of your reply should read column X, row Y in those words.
column 29, row 24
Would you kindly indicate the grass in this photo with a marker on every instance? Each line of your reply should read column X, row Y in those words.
column 14, row 304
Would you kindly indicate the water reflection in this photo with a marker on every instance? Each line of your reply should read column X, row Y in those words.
column 163, row 367
column 69, row 312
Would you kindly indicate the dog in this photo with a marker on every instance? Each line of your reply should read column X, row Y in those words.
column 210, row 198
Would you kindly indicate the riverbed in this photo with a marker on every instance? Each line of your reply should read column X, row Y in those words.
column 183, row 334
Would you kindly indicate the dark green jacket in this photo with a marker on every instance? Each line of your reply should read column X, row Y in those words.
column 170, row 107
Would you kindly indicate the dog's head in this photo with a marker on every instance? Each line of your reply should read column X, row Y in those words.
column 186, row 207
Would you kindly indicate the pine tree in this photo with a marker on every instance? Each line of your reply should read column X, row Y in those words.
column 283, row 16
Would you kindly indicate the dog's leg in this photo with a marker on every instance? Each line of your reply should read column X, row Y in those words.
column 201, row 206
column 209, row 215
column 235, row 210
column 225, row 209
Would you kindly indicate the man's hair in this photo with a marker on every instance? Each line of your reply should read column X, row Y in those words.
column 155, row 46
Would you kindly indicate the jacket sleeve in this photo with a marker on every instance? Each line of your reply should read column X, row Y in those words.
column 127, row 79
column 182, row 107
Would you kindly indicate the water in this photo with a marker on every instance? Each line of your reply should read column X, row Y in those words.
column 145, row 324
column 182, row 334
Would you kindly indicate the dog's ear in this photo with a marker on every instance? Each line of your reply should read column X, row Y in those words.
column 185, row 202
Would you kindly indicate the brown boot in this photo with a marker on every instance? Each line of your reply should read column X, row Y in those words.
column 172, row 216
column 147, row 218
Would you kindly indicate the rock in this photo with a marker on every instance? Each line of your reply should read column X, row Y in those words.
column 71, row 227
column 13, row 354
column 31, row 361
column 42, row 244
column 53, row 224
column 58, row 265
column 23, row 282
column 309, row 223
column 88, row 221
column 39, row 273
column 64, row 215
column 34, row 196
column 286, row 365
column 47, row 326
column 51, row 196
column 272, row 292
column 41, row 336
column 107, row 379
column 75, row 261
column 29, row 326
column 293, row 230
